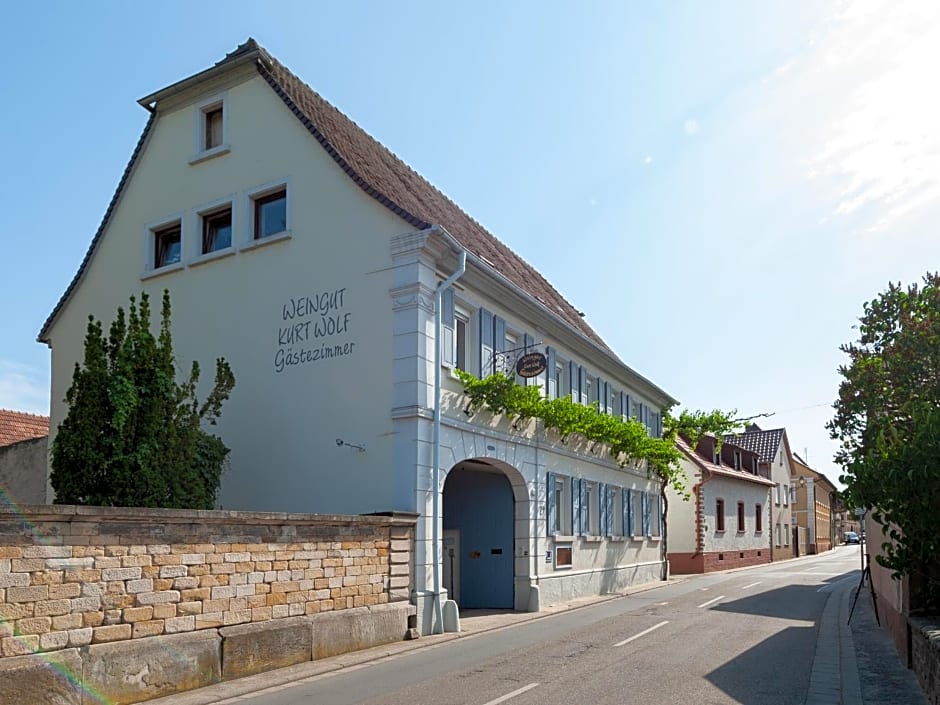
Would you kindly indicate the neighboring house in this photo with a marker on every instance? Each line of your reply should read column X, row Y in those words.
column 775, row 462
column 23, row 457
column 813, row 506
column 726, row 522
column 308, row 255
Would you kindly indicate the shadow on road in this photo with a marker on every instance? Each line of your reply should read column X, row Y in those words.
column 777, row 670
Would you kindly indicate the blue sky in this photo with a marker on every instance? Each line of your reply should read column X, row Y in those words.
column 719, row 186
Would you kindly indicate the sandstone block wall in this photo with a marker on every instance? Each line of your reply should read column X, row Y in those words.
column 74, row 576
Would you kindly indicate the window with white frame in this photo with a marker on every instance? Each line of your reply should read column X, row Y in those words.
column 561, row 379
column 777, row 494
column 655, row 514
column 777, row 535
column 589, row 393
column 558, row 499
column 786, row 495
column 211, row 128
column 786, row 534
column 593, row 509
column 616, row 506
column 461, row 323
column 637, row 528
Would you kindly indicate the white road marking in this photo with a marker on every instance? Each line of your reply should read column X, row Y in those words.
column 661, row 604
column 706, row 604
column 643, row 633
column 704, row 589
column 513, row 694
column 751, row 585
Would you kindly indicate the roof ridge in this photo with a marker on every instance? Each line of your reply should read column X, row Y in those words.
column 23, row 413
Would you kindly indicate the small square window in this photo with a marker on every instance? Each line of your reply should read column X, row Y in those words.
column 270, row 214
column 213, row 127
column 217, row 231
column 167, row 245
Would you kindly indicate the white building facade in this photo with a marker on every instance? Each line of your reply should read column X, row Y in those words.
column 307, row 255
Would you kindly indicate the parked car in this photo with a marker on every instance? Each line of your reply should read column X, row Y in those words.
column 852, row 537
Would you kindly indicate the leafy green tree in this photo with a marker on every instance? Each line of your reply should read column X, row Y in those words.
column 133, row 436
column 887, row 422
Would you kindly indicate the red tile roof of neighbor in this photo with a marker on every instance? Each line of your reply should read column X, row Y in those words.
column 382, row 175
column 720, row 469
column 16, row 426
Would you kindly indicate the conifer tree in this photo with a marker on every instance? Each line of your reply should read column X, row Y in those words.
column 134, row 436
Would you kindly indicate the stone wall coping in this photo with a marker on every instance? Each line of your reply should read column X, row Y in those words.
column 929, row 627
column 71, row 512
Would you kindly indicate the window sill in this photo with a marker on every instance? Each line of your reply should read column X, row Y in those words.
column 655, row 538
column 212, row 256
column 269, row 240
column 616, row 539
column 210, row 154
column 636, row 537
column 562, row 538
column 169, row 269
column 591, row 538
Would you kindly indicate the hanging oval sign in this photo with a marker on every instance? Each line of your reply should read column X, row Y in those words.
column 531, row 365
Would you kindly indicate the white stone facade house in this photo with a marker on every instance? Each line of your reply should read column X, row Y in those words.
column 726, row 522
column 776, row 462
column 304, row 252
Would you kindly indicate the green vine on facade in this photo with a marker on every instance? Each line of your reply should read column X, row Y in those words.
column 626, row 440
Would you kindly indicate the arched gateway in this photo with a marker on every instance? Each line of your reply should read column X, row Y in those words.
column 485, row 519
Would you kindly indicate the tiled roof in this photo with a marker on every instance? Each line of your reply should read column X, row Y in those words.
column 382, row 175
column 390, row 181
column 16, row 426
column 723, row 469
column 764, row 443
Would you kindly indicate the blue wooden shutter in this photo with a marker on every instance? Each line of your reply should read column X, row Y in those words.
column 646, row 513
column 573, row 382
column 624, row 406
column 551, row 509
column 499, row 345
column 575, row 505
column 627, row 511
column 582, row 385
column 448, row 318
column 486, row 343
column 602, row 506
column 608, row 392
column 599, row 394
column 551, row 386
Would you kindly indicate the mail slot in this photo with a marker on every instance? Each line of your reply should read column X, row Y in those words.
column 496, row 551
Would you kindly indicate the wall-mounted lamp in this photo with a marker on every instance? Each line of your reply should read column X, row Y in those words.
column 357, row 446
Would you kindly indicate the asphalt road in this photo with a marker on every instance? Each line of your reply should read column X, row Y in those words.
column 745, row 638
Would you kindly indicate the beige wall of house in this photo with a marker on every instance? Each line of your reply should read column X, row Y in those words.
column 731, row 538
column 783, row 518
column 253, row 305
column 681, row 515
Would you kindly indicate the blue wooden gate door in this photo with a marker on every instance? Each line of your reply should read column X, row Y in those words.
column 480, row 505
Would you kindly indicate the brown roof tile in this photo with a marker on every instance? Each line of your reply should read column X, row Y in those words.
column 16, row 426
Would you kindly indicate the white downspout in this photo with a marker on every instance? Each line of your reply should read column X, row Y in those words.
column 436, row 446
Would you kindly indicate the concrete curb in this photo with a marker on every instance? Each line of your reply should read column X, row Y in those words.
column 834, row 679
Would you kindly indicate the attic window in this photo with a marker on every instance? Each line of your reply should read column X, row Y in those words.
column 211, row 133
column 213, row 127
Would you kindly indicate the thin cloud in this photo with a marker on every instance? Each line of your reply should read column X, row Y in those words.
column 648, row 160
column 23, row 388
column 690, row 127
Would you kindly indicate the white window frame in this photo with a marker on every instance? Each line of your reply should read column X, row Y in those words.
column 563, row 505
column 636, row 531
column 777, row 494
column 656, row 508
column 616, row 506
column 786, row 534
column 777, row 532
column 248, row 240
column 200, row 110
column 593, row 509
column 194, row 253
column 150, row 231
column 462, row 318
column 786, row 495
